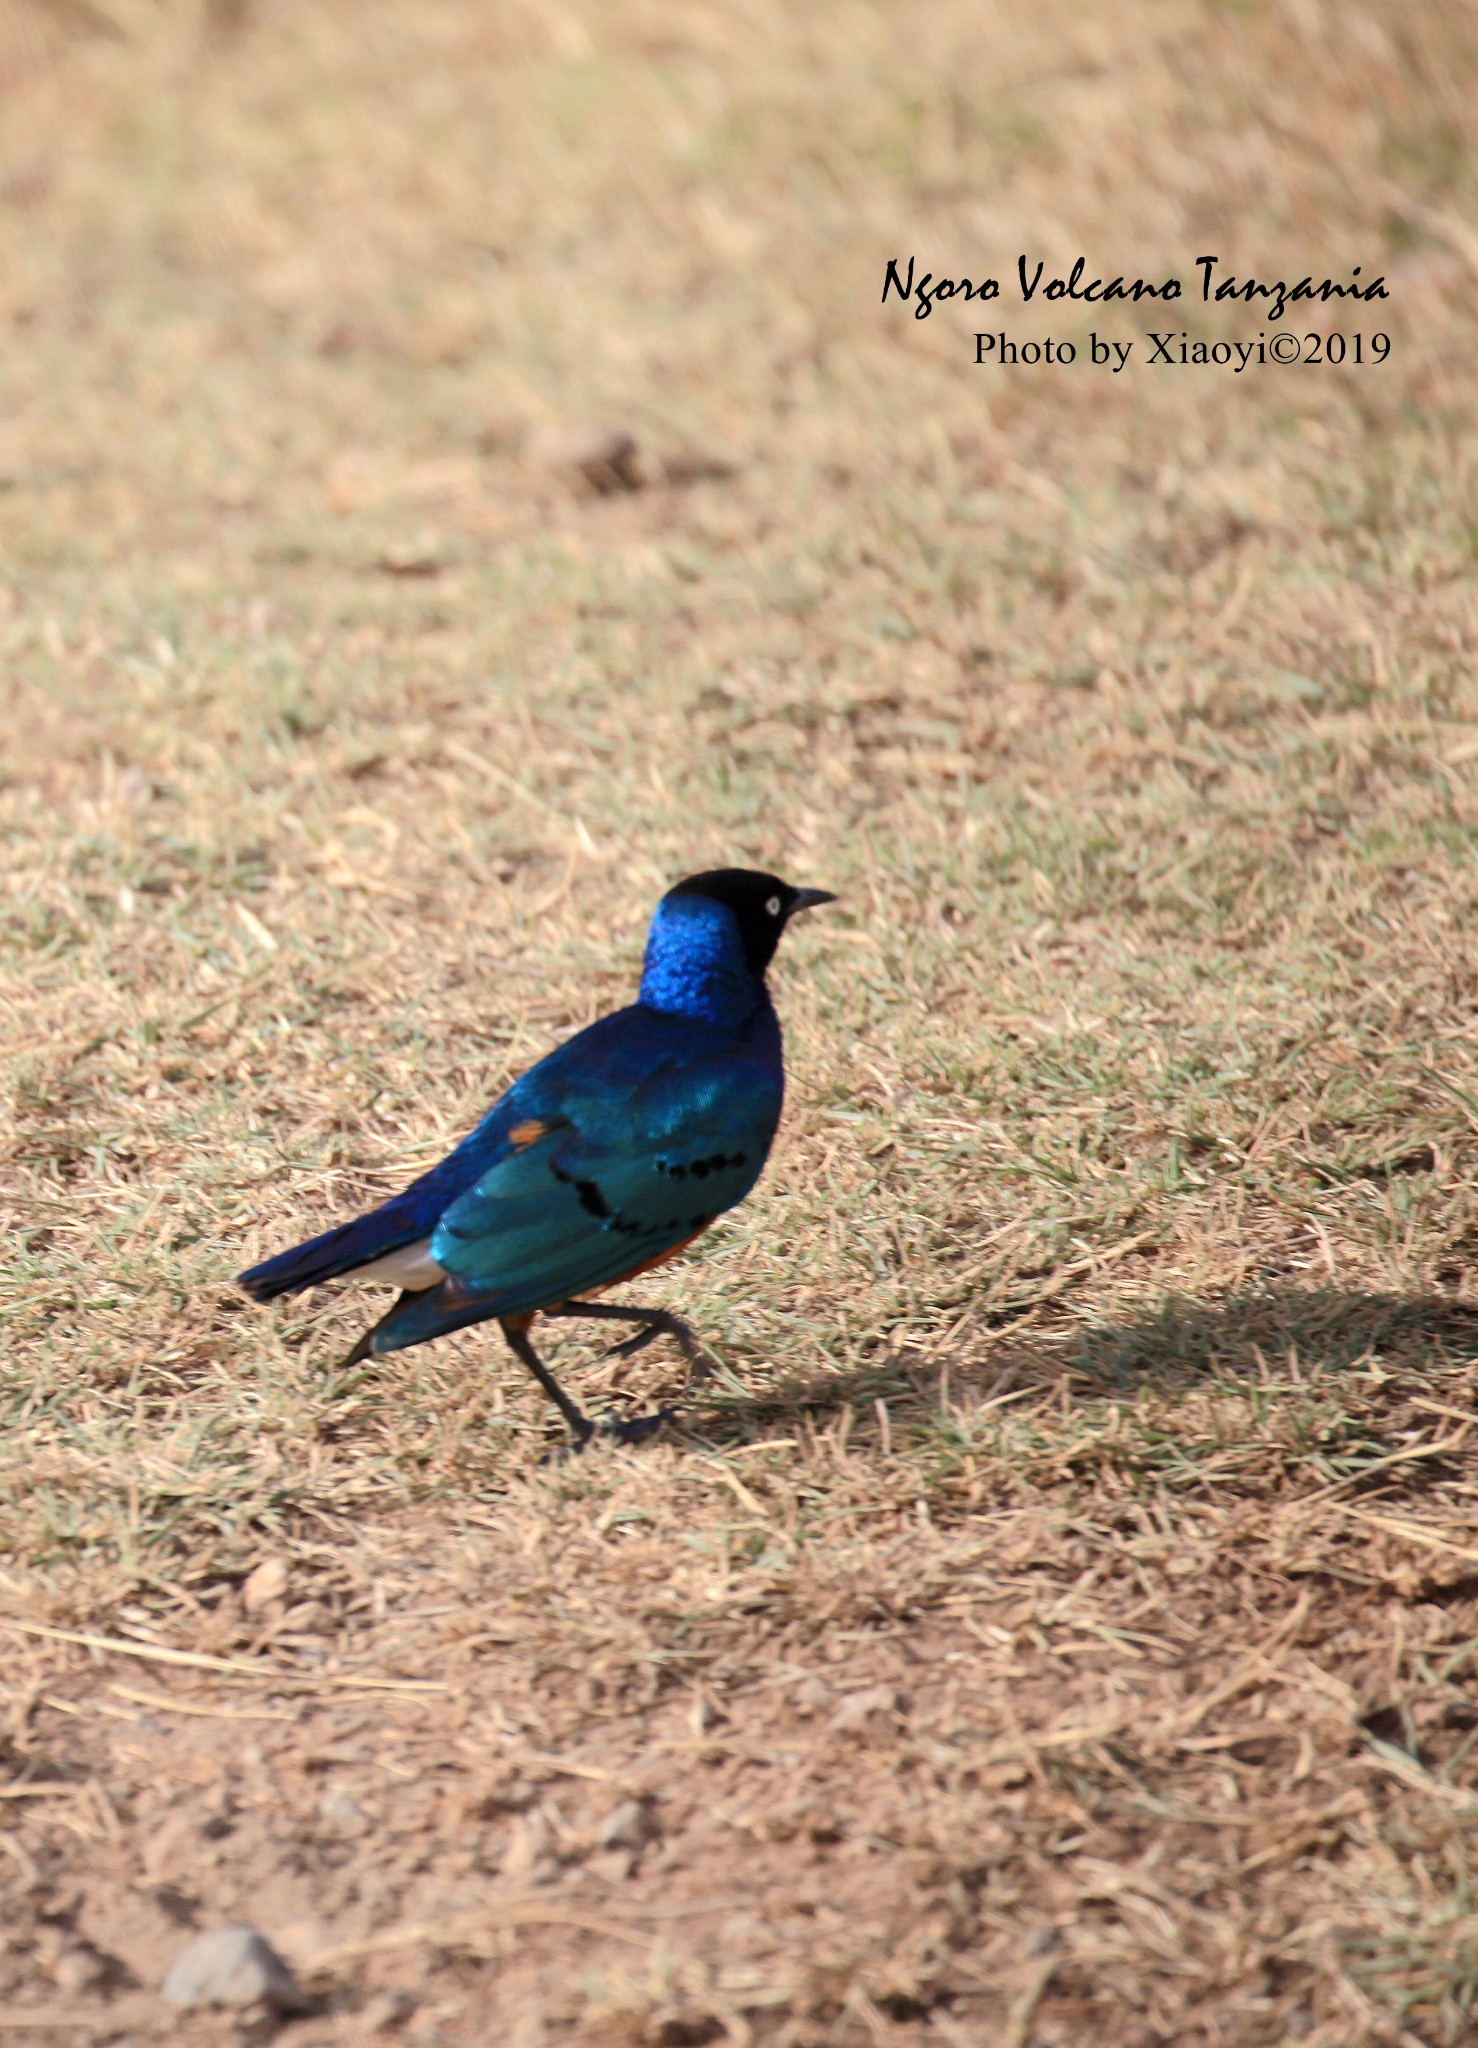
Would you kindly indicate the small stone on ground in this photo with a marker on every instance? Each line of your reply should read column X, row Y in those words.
column 233, row 1966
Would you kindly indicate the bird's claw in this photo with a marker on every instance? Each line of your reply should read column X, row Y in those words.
column 633, row 1429
column 611, row 1429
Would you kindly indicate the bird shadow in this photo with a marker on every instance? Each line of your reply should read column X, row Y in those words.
column 1316, row 1330
column 1259, row 1332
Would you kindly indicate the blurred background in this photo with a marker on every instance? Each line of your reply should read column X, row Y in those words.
column 342, row 265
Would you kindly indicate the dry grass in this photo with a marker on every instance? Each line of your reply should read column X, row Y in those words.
column 1059, row 1627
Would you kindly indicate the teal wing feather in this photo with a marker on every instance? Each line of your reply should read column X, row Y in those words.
column 609, row 1184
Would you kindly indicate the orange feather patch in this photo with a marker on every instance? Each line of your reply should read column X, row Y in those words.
column 647, row 1265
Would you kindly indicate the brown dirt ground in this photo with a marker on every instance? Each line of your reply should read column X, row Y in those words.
column 949, row 1776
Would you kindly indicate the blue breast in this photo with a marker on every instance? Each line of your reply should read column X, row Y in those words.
column 695, row 965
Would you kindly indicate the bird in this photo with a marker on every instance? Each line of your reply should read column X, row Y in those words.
column 606, row 1158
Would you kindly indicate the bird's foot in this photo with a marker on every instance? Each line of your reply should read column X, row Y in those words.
column 579, row 1439
column 611, row 1429
column 702, row 1365
column 633, row 1429
column 700, row 1361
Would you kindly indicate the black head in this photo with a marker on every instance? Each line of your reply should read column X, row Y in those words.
column 762, row 905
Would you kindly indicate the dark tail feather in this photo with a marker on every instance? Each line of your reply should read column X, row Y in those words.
column 365, row 1347
column 423, row 1313
column 335, row 1252
column 360, row 1352
column 416, row 1315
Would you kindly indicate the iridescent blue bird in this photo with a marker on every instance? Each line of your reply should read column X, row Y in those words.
column 609, row 1156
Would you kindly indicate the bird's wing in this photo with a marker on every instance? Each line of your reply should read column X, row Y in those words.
column 604, row 1180
column 391, row 1241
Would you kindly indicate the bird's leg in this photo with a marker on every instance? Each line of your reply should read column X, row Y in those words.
column 582, row 1429
column 659, row 1322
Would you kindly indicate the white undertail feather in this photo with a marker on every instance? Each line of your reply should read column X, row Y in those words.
column 411, row 1267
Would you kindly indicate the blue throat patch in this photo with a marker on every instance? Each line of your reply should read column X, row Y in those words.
column 695, row 964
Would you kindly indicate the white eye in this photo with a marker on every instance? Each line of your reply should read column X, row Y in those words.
column 773, row 906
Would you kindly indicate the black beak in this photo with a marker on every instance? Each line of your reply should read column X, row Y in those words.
column 807, row 899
